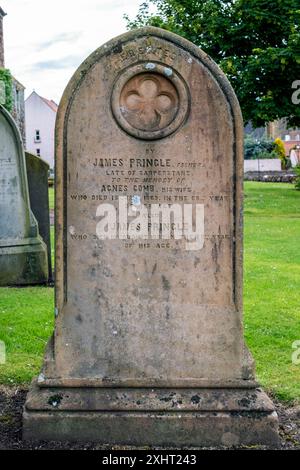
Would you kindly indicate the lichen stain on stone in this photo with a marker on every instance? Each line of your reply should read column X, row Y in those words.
column 55, row 400
column 93, row 272
column 166, row 283
column 150, row 66
column 215, row 254
column 195, row 399
column 122, row 310
column 79, row 318
column 118, row 48
column 168, row 398
column 168, row 71
column 245, row 402
column 167, row 312
column 107, row 272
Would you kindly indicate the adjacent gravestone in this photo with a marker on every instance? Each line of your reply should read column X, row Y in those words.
column 148, row 345
column 294, row 156
column 37, row 176
column 23, row 254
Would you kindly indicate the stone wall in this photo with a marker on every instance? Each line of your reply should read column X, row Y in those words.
column 263, row 164
column 271, row 176
column 2, row 14
column 18, row 110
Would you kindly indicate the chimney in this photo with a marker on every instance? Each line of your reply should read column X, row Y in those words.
column 2, row 14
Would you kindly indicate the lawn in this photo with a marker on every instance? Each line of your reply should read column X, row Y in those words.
column 51, row 198
column 51, row 206
column 272, row 284
column 271, row 297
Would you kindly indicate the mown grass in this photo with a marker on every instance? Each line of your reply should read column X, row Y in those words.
column 271, row 297
column 272, row 284
column 51, row 198
column 26, row 322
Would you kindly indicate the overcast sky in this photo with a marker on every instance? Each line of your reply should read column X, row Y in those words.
column 45, row 41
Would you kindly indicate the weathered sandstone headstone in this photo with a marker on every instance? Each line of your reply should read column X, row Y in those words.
column 37, row 176
column 23, row 254
column 148, row 345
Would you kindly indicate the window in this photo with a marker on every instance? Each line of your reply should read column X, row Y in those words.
column 37, row 137
column 298, row 137
column 287, row 137
column 38, row 152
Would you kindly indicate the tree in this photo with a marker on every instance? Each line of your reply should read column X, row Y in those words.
column 280, row 151
column 255, row 42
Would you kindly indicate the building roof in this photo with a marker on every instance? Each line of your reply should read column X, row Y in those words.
column 2, row 13
column 19, row 84
column 50, row 103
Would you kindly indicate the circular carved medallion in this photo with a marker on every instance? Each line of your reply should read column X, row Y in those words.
column 150, row 101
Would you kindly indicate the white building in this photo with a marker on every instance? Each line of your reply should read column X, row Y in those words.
column 40, row 116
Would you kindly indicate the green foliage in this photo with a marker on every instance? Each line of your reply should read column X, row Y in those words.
column 262, row 148
column 280, row 151
column 256, row 43
column 297, row 182
column 279, row 148
column 6, row 78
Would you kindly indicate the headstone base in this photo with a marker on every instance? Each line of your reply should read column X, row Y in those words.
column 151, row 417
column 24, row 264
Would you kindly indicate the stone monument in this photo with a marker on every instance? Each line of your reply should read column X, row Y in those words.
column 37, row 176
column 23, row 254
column 294, row 156
column 148, row 345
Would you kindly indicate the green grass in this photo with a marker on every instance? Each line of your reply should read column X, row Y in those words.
column 26, row 322
column 51, row 198
column 271, row 297
column 52, row 246
column 272, row 284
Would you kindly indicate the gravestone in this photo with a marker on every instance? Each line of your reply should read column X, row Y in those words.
column 294, row 156
column 23, row 254
column 148, row 345
column 37, row 176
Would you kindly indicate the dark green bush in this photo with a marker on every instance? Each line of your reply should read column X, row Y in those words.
column 297, row 182
column 259, row 148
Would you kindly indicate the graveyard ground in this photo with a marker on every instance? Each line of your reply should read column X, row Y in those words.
column 271, row 298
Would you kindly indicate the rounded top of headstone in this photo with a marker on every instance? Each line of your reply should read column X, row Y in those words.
column 37, row 161
column 12, row 123
column 165, row 106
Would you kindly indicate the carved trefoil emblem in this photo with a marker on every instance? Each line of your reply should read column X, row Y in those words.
column 150, row 101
